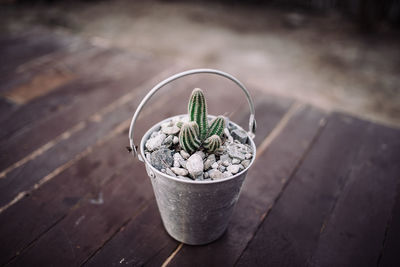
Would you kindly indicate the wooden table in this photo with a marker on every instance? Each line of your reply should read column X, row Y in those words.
column 324, row 189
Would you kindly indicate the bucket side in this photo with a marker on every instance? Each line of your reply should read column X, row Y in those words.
column 196, row 214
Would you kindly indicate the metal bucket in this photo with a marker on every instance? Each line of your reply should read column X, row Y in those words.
column 194, row 212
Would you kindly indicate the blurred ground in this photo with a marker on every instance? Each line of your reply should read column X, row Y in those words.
column 321, row 59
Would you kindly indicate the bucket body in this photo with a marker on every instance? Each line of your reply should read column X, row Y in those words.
column 195, row 212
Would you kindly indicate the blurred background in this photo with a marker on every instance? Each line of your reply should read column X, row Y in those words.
column 334, row 54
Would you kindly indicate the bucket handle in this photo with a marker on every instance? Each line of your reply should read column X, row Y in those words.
column 252, row 120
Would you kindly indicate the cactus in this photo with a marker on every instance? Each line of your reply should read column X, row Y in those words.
column 217, row 126
column 197, row 110
column 189, row 137
column 196, row 133
column 212, row 143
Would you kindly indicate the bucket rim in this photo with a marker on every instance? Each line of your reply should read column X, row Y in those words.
column 148, row 133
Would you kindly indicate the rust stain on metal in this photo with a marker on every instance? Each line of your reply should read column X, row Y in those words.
column 39, row 85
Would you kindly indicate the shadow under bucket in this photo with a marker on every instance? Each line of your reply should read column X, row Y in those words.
column 194, row 212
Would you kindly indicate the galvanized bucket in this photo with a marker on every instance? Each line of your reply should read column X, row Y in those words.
column 194, row 212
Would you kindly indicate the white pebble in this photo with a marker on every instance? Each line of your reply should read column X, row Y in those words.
column 195, row 165
column 235, row 161
column 233, row 169
column 179, row 171
column 184, row 154
column 207, row 164
column 175, row 140
column 155, row 142
column 214, row 165
column 215, row 174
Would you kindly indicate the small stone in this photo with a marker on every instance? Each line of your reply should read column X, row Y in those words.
column 201, row 154
column 183, row 163
column 224, row 157
column 215, row 174
column 241, row 167
column 175, row 140
column 163, row 170
column 162, row 158
column 233, row 169
column 154, row 134
column 239, row 135
column 178, row 157
column 226, row 163
column 206, row 175
column 214, row 165
column 231, row 126
column 207, row 164
column 184, row 154
column 170, row 128
column 222, row 168
column 212, row 158
column 180, row 171
column 235, row 161
column 155, row 142
column 200, row 177
column 176, row 164
column 227, row 174
column 248, row 156
column 195, row 165
column 245, row 163
column 234, row 151
column 168, row 141
column 169, row 172
column 228, row 135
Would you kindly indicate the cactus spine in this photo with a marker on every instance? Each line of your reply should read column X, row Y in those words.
column 196, row 133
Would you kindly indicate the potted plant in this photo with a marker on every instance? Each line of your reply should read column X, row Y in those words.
column 197, row 164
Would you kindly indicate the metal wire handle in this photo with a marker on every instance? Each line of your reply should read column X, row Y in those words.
column 252, row 121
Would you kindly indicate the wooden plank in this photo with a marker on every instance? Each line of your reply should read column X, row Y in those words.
column 263, row 185
column 94, row 129
column 50, row 204
column 391, row 245
column 93, row 222
column 290, row 232
column 38, row 86
column 24, row 73
column 63, row 113
column 99, row 67
column 354, row 233
column 102, row 234
column 18, row 49
column 120, row 247
column 138, row 242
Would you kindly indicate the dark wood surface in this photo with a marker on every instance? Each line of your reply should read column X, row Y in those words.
column 324, row 189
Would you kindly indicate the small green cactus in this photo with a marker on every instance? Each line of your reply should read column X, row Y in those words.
column 197, row 110
column 212, row 143
column 196, row 133
column 189, row 137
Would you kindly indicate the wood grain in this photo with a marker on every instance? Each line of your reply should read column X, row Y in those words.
column 263, row 185
column 289, row 235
